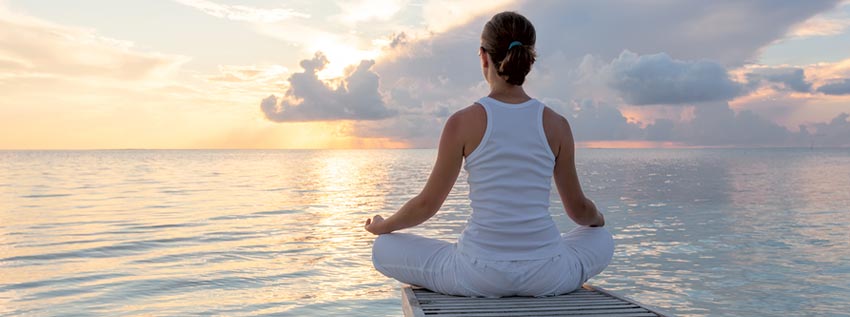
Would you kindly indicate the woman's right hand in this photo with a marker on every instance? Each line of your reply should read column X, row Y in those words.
column 372, row 224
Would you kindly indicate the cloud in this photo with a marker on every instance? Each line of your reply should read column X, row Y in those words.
column 836, row 132
column 686, row 30
column 717, row 125
column 355, row 97
column 592, row 62
column 660, row 79
column 690, row 31
column 418, row 131
column 789, row 95
column 31, row 47
column 711, row 124
column 366, row 10
column 589, row 63
column 248, row 73
column 594, row 120
column 790, row 78
column 443, row 15
column 826, row 24
column 420, row 120
column 660, row 130
column 728, row 32
column 397, row 40
column 242, row 13
column 841, row 87
column 820, row 27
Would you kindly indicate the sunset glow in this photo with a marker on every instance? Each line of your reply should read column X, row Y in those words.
column 386, row 74
column 627, row 145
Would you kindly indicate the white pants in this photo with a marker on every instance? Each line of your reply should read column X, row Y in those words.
column 438, row 266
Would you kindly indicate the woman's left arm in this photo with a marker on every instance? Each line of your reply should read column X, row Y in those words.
column 443, row 177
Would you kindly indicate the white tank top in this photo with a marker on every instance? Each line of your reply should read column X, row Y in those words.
column 510, row 178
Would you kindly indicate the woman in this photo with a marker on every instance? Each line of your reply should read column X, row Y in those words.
column 513, row 146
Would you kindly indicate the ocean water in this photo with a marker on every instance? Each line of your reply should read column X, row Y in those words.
column 699, row 232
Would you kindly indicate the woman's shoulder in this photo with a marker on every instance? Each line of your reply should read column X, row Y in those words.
column 468, row 125
column 553, row 118
column 473, row 112
column 557, row 129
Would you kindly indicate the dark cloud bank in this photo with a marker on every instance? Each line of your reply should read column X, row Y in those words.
column 836, row 88
column 783, row 78
column 594, row 56
column 659, row 79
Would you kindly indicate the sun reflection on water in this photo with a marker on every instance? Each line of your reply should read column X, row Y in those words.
column 280, row 232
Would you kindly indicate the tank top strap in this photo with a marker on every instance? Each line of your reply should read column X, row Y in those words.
column 488, row 101
column 541, row 131
column 484, row 102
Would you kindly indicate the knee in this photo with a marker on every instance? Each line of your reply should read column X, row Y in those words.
column 598, row 237
column 609, row 239
column 378, row 245
column 607, row 242
column 379, row 250
column 383, row 242
column 603, row 237
column 602, row 242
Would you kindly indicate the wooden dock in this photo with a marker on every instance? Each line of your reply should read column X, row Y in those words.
column 586, row 301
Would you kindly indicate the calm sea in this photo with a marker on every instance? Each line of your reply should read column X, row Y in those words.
column 720, row 232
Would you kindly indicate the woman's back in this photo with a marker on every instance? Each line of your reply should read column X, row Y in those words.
column 511, row 245
column 510, row 176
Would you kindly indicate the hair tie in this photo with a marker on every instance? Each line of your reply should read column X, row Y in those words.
column 514, row 43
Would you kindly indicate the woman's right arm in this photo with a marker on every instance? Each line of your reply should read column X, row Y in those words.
column 580, row 209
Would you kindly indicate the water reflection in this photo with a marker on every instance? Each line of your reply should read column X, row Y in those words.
column 699, row 232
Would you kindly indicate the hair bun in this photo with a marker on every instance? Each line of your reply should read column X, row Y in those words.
column 501, row 36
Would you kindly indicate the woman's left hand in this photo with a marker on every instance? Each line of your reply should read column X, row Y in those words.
column 372, row 224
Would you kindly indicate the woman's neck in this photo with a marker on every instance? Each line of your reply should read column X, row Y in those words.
column 508, row 93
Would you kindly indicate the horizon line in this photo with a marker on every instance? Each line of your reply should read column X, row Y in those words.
column 690, row 147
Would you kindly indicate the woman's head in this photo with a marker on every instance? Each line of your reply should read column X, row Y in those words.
column 508, row 38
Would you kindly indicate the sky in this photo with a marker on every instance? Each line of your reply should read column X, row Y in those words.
column 104, row 74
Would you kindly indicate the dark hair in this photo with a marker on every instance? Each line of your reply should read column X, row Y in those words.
column 512, row 62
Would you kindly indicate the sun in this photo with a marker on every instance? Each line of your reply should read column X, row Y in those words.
column 340, row 57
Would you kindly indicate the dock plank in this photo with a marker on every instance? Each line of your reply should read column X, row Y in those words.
column 586, row 301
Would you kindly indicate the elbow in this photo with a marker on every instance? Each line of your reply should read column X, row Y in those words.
column 426, row 207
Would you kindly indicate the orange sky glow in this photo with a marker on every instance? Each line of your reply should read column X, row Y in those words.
column 71, row 79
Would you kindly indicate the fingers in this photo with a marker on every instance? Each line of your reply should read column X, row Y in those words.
column 371, row 222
